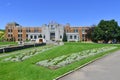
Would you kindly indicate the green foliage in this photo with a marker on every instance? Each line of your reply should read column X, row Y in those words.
column 106, row 30
column 8, row 43
column 2, row 35
column 2, row 30
column 89, row 32
column 40, row 36
column 64, row 37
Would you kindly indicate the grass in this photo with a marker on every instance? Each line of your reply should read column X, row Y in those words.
column 8, row 43
column 27, row 70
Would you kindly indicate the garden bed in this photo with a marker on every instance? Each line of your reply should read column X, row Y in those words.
column 28, row 54
column 64, row 60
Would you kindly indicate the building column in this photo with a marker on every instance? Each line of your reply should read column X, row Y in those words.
column 37, row 36
column 33, row 37
column 28, row 36
column 73, row 37
column 77, row 37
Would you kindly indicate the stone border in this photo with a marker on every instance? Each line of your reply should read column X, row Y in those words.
column 67, row 73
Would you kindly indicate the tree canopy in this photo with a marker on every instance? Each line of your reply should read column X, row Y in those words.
column 2, row 35
column 106, row 30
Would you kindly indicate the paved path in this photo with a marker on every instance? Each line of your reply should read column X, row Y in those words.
column 107, row 68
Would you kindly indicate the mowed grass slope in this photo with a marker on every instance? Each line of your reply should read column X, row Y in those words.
column 2, row 34
column 28, row 70
column 8, row 43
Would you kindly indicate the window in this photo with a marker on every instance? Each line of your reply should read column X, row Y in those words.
column 31, row 36
column 44, row 36
column 36, row 30
column 75, row 30
column 35, row 37
column 83, row 31
column 9, row 30
column 52, row 34
column 19, row 35
column 19, row 30
column 28, row 30
column 27, row 35
column 70, row 36
column 9, row 35
column 83, row 37
column 19, row 39
column 60, row 36
column 75, row 37
column 52, row 27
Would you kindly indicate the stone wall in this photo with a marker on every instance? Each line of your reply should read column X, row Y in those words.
column 14, row 48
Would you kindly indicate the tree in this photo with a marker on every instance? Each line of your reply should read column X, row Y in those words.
column 118, row 35
column 2, row 34
column 89, row 32
column 40, row 36
column 106, row 31
column 64, row 37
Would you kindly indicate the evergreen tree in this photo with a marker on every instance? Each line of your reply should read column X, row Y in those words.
column 40, row 36
column 64, row 37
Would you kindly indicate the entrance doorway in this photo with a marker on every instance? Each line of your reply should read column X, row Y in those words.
column 52, row 36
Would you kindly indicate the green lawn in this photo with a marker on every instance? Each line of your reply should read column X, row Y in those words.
column 28, row 70
column 8, row 43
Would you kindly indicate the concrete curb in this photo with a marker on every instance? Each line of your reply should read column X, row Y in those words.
column 83, row 65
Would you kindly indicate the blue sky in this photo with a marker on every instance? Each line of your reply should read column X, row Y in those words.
column 75, row 12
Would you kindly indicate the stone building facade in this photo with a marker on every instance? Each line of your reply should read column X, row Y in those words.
column 50, row 32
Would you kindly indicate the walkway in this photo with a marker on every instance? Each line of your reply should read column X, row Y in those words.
column 107, row 68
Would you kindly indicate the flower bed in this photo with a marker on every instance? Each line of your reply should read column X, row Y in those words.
column 68, row 59
column 28, row 54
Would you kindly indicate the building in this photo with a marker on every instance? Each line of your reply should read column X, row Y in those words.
column 50, row 32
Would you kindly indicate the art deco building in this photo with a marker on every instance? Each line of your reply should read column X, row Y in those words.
column 50, row 32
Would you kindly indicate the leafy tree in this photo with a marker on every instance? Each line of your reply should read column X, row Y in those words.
column 106, row 30
column 89, row 32
column 64, row 37
column 118, row 35
column 2, row 34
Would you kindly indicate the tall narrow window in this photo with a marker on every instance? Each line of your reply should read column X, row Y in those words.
column 75, row 37
column 31, row 36
column 60, row 36
column 44, row 36
column 27, row 35
column 35, row 37
column 19, row 30
column 70, row 36
column 75, row 30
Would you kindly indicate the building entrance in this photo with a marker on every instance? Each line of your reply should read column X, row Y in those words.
column 52, row 36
